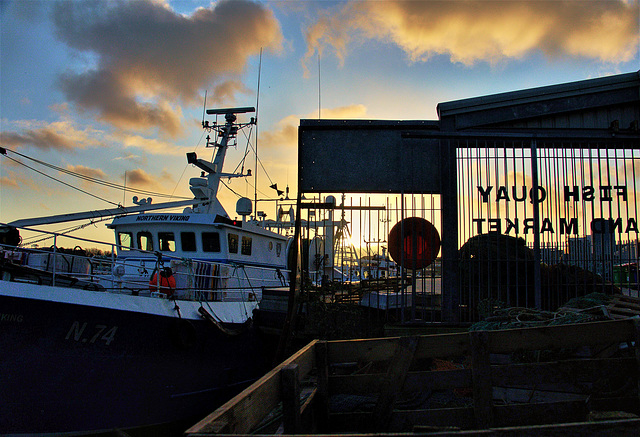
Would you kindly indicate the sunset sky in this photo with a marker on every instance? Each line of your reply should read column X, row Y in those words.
column 103, row 88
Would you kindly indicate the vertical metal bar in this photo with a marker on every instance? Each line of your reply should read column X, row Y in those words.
column 536, row 224
column 113, row 263
column 450, row 288
column 635, row 215
column 53, row 268
column 403, row 278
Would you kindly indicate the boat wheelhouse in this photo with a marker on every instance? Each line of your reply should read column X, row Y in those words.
column 211, row 257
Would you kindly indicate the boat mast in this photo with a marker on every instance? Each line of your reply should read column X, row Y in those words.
column 214, row 169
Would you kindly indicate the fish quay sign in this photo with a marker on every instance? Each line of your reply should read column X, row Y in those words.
column 564, row 225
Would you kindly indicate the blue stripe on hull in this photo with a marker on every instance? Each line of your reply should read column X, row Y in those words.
column 74, row 368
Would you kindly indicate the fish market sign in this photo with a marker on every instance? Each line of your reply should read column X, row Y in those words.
column 587, row 193
column 162, row 218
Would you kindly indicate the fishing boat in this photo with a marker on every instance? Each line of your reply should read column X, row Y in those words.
column 157, row 332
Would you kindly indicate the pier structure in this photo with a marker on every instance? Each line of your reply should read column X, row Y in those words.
column 533, row 195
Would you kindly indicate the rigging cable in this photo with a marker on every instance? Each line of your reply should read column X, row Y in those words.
column 63, row 183
column 255, row 176
column 83, row 177
column 64, row 231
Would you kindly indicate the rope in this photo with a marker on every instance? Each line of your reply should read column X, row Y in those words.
column 583, row 309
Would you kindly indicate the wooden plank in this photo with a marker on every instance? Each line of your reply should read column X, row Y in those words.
column 562, row 336
column 636, row 325
column 404, row 419
column 247, row 409
column 393, row 383
column 625, row 304
column 623, row 311
column 321, row 404
column 623, row 403
column 627, row 299
column 504, row 341
column 461, row 418
column 618, row 428
column 561, row 372
column 511, row 395
column 481, row 375
column 381, row 349
column 539, row 414
column 518, row 418
column 307, row 410
column 290, row 399
column 415, row 381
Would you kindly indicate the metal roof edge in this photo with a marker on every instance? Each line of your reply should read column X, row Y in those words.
column 539, row 94
column 364, row 123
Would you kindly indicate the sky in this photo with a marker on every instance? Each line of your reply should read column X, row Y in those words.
column 114, row 90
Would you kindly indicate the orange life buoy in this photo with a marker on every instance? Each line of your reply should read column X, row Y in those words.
column 414, row 233
column 166, row 285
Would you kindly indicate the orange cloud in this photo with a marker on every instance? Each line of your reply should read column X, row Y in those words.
column 44, row 139
column 140, row 178
column 15, row 178
column 61, row 135
column 285, row 136
column 147, row 55
column 478, row 30
column 94, row 173
column 11, row 182
column 149, row 145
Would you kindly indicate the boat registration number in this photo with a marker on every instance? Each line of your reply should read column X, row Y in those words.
column 83, row 333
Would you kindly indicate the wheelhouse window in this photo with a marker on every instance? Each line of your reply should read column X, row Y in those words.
column 167, row 241
column 188, row 241
column 233, row 243
column 125, row 240
column 246, row 246
column 211, row 242
column 145, row 241
column 278, row 249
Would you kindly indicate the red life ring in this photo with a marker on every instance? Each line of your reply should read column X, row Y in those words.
column 414, row 232
column 167, row 282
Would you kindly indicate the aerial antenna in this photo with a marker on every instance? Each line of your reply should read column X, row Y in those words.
column 255, row 175
column 204, row 107
column 124, row 190
column 319, row 88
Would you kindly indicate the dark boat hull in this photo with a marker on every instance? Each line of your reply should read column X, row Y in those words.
column 67, row 367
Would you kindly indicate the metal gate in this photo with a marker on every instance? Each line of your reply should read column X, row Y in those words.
column 545, row 221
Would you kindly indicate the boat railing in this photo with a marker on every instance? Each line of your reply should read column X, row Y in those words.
column 218, row 280
column 56, row 264
column 196, row 279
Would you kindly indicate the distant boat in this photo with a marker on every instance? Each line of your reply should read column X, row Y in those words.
column 157, row 333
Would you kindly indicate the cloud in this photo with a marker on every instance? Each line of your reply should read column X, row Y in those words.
column 152, row 146
column 140, row 178
column 14, row 178
column 44, row 139
column 145, row 55
column 285, row 136
column 61, row 135
column 94, row 173
column 491, row 31
column 9, row 182
column 131, row 157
